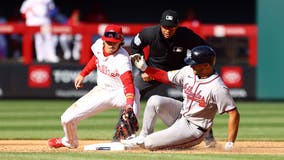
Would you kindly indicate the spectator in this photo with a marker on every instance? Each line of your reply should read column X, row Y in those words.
column 3, row 43
column 15, row 39
column 72, row 51
column 69, row 43
column 38, row 13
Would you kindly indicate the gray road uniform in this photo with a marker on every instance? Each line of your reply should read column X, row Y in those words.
column 189, row 121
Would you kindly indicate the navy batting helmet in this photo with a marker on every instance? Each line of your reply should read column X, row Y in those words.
column 200, row 54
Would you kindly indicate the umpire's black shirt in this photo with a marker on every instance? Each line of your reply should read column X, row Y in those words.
column 166, row 54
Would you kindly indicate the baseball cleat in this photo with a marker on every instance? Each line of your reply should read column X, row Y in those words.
column 210, row 143
column 134, row 141
column 55, row 143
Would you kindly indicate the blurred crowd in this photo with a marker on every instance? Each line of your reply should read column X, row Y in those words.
column 55, row 48
column 48, row 48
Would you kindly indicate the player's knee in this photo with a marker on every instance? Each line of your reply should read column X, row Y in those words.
column 66, row 119
column 154, row 102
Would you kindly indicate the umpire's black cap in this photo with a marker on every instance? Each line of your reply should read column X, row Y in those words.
column 169, row 18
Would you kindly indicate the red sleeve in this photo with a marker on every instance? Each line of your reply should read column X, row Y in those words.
column 158, row 74
column 89, row 67
column 129, row 91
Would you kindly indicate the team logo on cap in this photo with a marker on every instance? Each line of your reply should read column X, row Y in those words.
column 188, row 53
column 169, row 18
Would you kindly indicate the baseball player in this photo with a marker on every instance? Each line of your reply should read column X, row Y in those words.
column 168, row 44
column 204, row 94
column 37, row 13
column 115, row 87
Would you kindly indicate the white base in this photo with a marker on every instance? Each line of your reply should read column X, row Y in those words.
column 112, row 146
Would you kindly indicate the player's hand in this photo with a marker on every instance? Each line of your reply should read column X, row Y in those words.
column 141, row 64
column 229, row 145
column 128, row 106
column 135, row 57
column 79, row 82
column 146, row 77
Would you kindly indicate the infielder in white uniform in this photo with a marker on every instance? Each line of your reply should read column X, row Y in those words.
column 115, row 87
column 37, row 13
column 204, row 95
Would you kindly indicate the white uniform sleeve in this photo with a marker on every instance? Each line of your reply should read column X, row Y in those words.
column 224, row 99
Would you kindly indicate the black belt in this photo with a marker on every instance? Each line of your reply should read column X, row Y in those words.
column 198, row 127
column 202, row 129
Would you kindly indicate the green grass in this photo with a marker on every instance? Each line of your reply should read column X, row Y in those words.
column 132, row 156
column 40, row 119
column 259, row 121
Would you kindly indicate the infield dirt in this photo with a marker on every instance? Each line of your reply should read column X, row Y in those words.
column 241, row 147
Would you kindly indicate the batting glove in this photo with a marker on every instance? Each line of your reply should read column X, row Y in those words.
column 135, row 57
column 229, row 145
column 141, row 64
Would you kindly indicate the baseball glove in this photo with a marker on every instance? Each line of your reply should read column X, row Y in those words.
column 127, row 125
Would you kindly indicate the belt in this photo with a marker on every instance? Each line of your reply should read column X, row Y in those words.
column 202, row 129
column 198, row 127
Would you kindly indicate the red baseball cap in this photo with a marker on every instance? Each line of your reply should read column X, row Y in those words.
column 113, row 33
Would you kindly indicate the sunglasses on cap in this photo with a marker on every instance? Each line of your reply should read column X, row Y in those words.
column 113, row 35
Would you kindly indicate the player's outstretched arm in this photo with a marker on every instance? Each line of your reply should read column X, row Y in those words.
column 155, row 73
column 233, row 125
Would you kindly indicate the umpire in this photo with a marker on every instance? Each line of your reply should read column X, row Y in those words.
column 168, row 46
